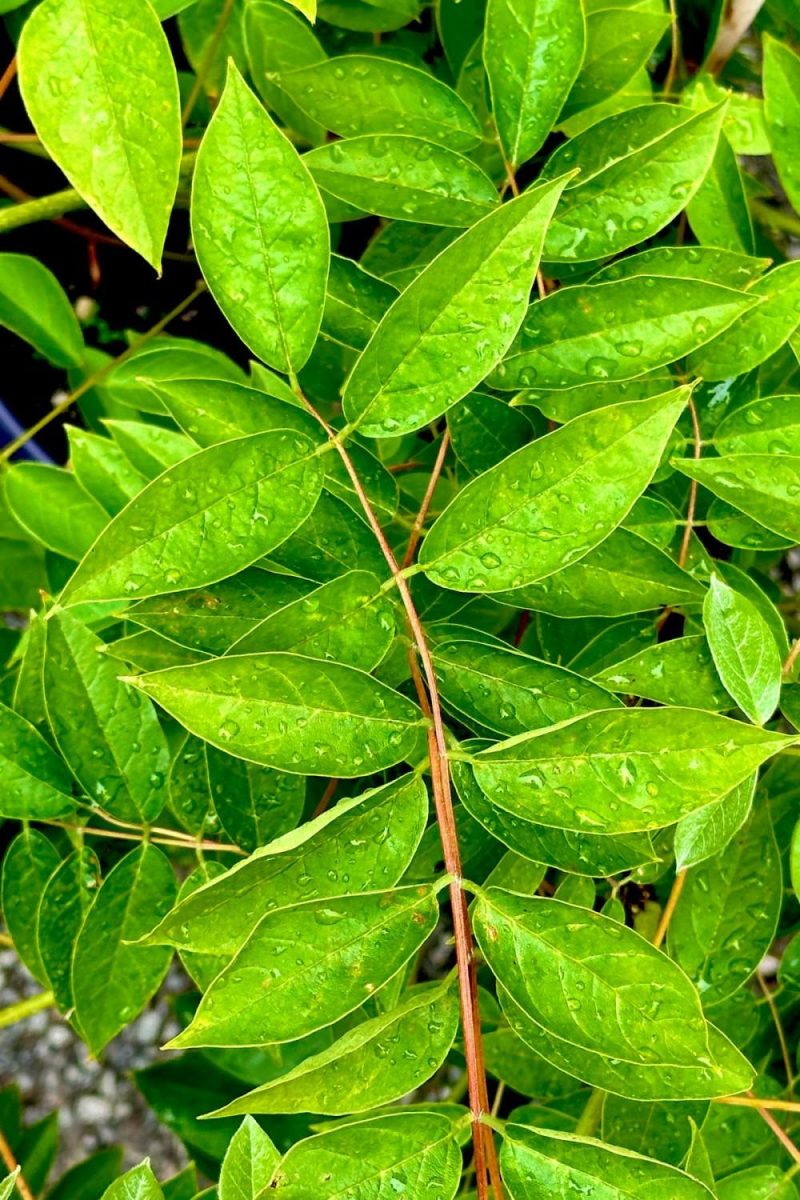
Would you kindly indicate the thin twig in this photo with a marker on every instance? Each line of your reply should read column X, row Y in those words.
column 780, row 1134
column 7, row 1155
column 422, row 515
column 483, row 1140
column 675, row 49
column 669, row 907
column 123, row 835
column 692, row 505
column 748, row 1100
column 792, row 658
column 778, row 1023
column 326, row 797
column 8, row 76
column 208, row 59
column 89, row 382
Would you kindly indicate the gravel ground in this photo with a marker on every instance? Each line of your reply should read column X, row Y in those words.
column 97, row 1103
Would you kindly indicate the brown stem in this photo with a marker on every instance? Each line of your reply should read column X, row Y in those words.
column 96, row 376
column 7, row 1155
column 669, row 908
column 326, row 797
column 422, row 515
column 780, row 1134
column 483, row 1139
column 675, row 50
column 8, row 76
column 748, row 1100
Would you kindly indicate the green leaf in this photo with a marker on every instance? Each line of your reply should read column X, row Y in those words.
column 406, row 376
column 661, row 1130
column 138, row 1184
column 355, row 304
column 599, row 1001
column 278, row 41
column 267, row 267
column 360, row 844
column 343, row 949
column 50, row 505
column 249, row 1163
column 624, row 574
column 36, row 784
column 708, row 831
column 211, row 515
column 768, row 425
column 764, row 486
column 484, row 430
column 116, row 750
column 28, row 863
column 88, row 1179
column 757, row 1183
column 607, row 208
column 718, row 212
column 166, row 360
column 619, row 43
column 782, row 112
column 623, row 770
column 510, row 692
column 758, row 333
column 680, row 672
column 355, row 94
column 149, row 448
column 34, row 306
column 511, row 527
column 253, row 803
column 103, row 470
column 65, row 901
column 349, row 620
column 375, row 1063
column 9, row 1185
column 113, row 980
column 743, row 649
column 214, row 618
column 212, row 411
column 616, row 330
column 407, row 178
column 574, row 851
column 295, row 714
column 114, row 128
column 687, row 262
column 532, row 54
column 729, row 909
column 539, row 1164
column 415, row 1153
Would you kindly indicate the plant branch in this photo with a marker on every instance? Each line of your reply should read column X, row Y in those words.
column 179, row 843
column 675, row 49
column 792, row 658
column 8, row 1158
column 669, row 907
column 483, row 1142
column 89, row 382
column 8, row 76
column 208, row 59
column 25, row 1008
column 422, row 515
column 775, row 218
column 42, row 208
column 778, row 1023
